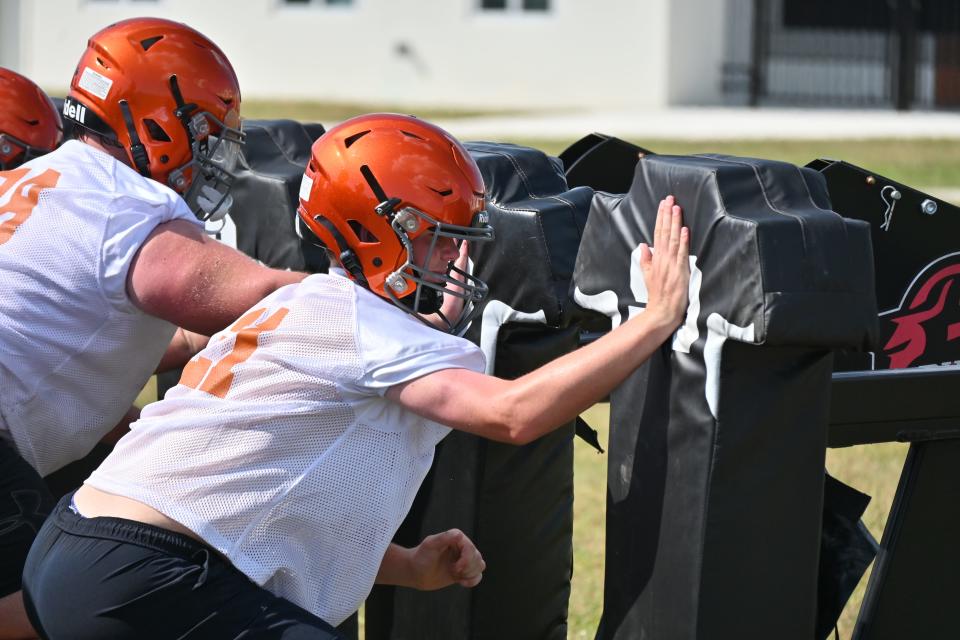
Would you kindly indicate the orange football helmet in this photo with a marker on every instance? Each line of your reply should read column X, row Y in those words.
column 29, row 123
column 169, row 97
column 376, row 183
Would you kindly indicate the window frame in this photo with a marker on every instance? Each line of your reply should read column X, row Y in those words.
column 514, row 8
column 318, row 5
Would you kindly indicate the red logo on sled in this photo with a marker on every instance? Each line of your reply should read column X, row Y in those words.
column 925, row 329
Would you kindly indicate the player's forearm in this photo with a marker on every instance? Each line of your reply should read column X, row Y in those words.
column 519, row 411
column 558, row 392
column 396, row 567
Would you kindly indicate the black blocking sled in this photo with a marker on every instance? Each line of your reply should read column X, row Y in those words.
column 715, row 476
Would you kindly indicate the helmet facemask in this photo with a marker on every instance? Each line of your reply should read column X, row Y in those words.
column 14, row 152
column 212, row 168
column 432, row 286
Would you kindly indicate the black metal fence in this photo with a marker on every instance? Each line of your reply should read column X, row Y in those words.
column 884, row 53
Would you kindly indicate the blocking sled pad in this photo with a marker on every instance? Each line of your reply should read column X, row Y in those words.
column 261, row 220
column 715, row 477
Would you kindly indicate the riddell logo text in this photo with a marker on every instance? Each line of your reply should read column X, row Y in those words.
column 925, row 328
column 74, row 111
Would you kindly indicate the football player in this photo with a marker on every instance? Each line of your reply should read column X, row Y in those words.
column 103, row 256
column 260, row 496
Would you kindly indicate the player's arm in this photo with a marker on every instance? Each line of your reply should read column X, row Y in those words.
column 184, row 345
column 185, row 277
column 521, row 410
column 438, row 561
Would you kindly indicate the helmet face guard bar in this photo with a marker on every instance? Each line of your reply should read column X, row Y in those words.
column 213, row 166
column 14, row 151
column 432, row 286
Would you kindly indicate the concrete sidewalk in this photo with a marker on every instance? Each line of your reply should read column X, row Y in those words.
column 713, row 123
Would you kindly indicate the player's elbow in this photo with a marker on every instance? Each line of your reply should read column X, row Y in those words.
column 512, row 420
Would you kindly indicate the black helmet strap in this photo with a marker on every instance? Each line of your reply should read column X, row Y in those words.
column 137, row 151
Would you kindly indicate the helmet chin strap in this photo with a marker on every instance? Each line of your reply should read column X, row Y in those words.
column 347, row 257
column 137, row 151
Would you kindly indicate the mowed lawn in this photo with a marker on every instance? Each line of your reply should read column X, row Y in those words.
column 929, row 164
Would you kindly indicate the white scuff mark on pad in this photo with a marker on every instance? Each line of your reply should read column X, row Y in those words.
column 688, row 332
column 495, row 314
column 719, row 330
column 605, row 302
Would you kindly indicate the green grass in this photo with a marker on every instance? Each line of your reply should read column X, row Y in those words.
column 873, row 469
column 916, row 162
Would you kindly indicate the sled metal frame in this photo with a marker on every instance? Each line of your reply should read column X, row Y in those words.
column 914, row 589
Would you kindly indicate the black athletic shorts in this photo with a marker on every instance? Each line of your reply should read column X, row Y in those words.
column 25, row 502
column 116, row 578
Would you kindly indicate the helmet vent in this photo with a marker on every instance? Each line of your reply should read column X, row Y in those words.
column 364, row 234
column 156, row 131
column 149, row 42
column 350, row 140
column 412, row 135
column 102, row 63
column 443, row 193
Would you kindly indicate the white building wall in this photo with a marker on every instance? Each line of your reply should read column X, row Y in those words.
column 10, row 34
column 582, row 53
column 695, row 51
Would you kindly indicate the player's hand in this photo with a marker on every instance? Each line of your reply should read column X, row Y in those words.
column 666, row 268
column 452, row 305
column 447, row 558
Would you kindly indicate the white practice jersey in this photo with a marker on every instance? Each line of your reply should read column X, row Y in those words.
column 74, row 350
column 278, row 448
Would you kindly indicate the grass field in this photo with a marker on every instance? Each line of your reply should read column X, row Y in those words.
column 921, row 163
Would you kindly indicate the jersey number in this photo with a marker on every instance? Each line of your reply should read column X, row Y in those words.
column 215, row 379
column 24, row 198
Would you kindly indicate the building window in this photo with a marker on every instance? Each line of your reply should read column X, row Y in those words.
column 320, row 3
column 515, row 6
